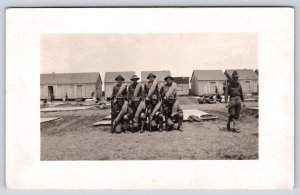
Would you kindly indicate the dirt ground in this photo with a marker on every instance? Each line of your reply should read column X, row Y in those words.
column 74, row 138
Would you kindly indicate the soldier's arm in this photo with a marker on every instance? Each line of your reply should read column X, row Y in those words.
column 145, row 91
column 242, row 94
column 126, row 93
column 113, row 93
column 160, row 93
column 226, row 93
column 142, row 92
column 127, row 96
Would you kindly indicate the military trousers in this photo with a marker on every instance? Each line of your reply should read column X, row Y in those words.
column 234, row 109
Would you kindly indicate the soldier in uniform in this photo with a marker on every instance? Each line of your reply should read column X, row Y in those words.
column 116, row 92
column 166, row 87
column 155, row 114
column 134, row 90
column 173, row 114
column 235, row 92
column 121, row 108
column 120, row 79
column 148, row 86
column 134, row 114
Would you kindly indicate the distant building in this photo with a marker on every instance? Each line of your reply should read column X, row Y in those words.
column 110, row 82
column 76, row 85
column 183, row 85
column 248, row 79
column 207, row 82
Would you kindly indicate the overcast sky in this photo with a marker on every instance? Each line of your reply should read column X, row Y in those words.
column 180, row 53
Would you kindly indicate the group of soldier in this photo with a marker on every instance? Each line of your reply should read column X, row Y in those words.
column 148, row 107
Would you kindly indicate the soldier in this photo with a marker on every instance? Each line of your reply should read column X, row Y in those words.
column 151, row 88
column 168, row 89
column 119, row 88
column 155, row 114
column 235, row 92
column 173, row 114
column 134, row 114
column 135, row 89
column 121, row 108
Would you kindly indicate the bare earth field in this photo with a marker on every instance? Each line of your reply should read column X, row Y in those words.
column 74, row 138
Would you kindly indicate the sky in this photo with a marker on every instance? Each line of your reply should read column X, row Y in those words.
column 180, row 53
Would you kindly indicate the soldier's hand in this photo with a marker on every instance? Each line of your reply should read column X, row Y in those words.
column 157, row 113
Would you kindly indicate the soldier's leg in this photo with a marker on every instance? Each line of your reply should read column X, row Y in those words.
column 143, row 122
column 135, row 124
column 238, row 108
column 160, row 121
column 153, row 124
column 231, row 110
column 118, row 128
column 179, row 120
column 126, row 122
column 170, row 124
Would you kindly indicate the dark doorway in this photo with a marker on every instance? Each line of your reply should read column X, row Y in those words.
column 50, row 91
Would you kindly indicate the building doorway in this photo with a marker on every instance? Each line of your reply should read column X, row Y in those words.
column 79, row 91
column 50, row 91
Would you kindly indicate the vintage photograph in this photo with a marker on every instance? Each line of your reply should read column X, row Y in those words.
column 191, row 96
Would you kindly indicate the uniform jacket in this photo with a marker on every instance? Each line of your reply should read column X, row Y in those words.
column 116, row 89
column 147, row 88
column 234, row 89
column 131, row 89
column 165, row 88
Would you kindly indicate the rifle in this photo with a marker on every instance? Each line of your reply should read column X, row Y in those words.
column 111, row 113
column 166, row 114
column 150, row 119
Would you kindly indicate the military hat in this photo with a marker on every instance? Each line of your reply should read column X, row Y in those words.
column 235, row 74
column 168, row 76
column 151, row 75
column 134, row 77
column 119, row 77
column 120, row 96
column 154, row 97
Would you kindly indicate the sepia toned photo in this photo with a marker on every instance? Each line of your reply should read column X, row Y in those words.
column 149, row 96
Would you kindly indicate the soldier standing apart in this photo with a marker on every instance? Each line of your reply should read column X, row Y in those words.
column 173, row 114
column 135, row 90
column 235, row 92
column 121, row 108
column 119, row 89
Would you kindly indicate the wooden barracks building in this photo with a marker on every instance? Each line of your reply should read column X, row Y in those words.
column 76, row 85
column 207, row 82
column 183, row 85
